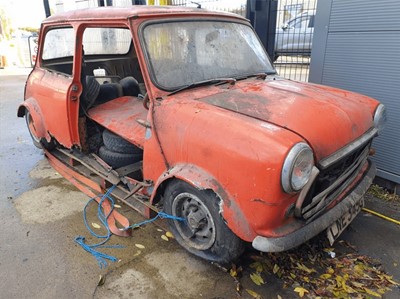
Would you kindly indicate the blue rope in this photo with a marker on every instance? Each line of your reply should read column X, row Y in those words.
column 91, row 248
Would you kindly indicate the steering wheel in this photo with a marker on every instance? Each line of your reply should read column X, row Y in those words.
column 146, row 101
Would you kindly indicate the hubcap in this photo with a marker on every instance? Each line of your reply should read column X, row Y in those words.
column 199, row 229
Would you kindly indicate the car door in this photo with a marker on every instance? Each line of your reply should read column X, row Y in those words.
column 53, row 89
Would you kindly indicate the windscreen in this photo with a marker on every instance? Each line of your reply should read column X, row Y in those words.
column 182, row 53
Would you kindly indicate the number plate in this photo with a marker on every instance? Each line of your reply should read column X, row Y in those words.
column 334, row 231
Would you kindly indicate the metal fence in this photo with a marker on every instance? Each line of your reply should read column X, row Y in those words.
column 293, row 39
column 294, row 32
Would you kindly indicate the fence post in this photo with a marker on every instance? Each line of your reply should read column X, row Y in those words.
column 262, row 15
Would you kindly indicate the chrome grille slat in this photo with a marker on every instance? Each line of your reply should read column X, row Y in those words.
column 317, row 199
column 335, row 176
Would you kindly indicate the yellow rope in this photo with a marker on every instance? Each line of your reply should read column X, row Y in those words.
column 382, row 216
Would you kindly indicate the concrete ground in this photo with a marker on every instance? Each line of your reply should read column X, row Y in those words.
column 41, row 213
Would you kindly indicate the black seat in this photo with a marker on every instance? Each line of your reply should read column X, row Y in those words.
column 109, row 91
column 130, row 86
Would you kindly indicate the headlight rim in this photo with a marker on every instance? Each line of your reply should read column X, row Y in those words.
column 380, row 118
column 288, row 165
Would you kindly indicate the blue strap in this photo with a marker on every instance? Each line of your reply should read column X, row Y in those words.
column 91, row 248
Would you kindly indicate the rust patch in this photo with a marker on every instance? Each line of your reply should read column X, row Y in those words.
column 250, row 104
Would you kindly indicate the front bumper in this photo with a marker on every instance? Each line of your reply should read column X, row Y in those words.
column 313, row 228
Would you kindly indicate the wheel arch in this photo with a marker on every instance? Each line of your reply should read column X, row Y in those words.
column 36, row 113
column 201, row 180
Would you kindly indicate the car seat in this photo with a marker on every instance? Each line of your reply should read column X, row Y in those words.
column 130, row 86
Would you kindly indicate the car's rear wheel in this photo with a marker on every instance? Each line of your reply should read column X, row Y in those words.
column 204, row 232
column 41, row 143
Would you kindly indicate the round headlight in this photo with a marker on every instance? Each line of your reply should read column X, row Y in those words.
column 297, row 168
column 380, row 118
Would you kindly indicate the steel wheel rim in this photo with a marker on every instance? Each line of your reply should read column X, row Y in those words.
column 199, row 228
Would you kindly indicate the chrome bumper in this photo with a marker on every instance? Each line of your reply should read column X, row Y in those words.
column 318, row 225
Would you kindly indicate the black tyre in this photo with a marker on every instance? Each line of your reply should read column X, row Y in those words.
column 41, row 143
column 117, row 160
column 117, row 144
column 204, row 233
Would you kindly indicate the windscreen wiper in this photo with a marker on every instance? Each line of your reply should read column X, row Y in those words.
column 257, row 75
column 215, row 81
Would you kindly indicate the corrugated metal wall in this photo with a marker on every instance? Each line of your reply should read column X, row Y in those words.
column 356, row 47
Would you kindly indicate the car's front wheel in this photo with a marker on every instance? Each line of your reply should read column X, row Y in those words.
column 204, row 232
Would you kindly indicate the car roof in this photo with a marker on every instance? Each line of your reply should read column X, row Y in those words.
column 123, row 13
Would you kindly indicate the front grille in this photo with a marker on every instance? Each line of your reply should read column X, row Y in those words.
column 332, row 181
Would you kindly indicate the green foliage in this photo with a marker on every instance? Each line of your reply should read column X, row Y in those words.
column 6, row 29
column 29, row 29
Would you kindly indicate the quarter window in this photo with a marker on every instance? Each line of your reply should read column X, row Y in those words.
column 100, row 41
column 58, row 43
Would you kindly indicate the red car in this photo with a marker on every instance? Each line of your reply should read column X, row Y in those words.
column 181, row 109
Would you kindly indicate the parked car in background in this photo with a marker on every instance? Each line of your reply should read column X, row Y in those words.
column 179, row 110
column 294, row 38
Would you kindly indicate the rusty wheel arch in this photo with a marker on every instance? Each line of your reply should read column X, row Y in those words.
column 159, row 198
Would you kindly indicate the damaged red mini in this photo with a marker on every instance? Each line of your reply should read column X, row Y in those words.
column 182, row 110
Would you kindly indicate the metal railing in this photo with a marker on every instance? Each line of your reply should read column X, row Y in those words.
column 293, row 39
column 294, row 32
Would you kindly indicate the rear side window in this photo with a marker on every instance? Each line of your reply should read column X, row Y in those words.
column 106, row 41
column 58, row 43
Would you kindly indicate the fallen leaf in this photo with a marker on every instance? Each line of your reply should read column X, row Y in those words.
column 159, row 230
column 276, row 269
column 327, row 250
column 257, row 266
column 304, row 268
column 325, row 276
column 95, row 225
column 253, row 294
column 102, row 280
column 136, row 253
column 301, row 291
column 117, row 206
column 330, row 270
column 233, row 272
column 169, row 234
column 164, row 237
column 140, row 246
column 357, row 284
column 371, row 292
column 257, row 279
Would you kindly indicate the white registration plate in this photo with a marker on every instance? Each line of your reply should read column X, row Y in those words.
column 334, row 231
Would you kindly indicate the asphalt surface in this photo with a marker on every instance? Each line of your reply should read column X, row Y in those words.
column 41, row 213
